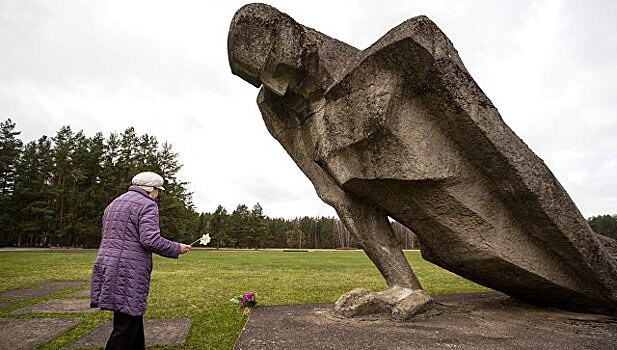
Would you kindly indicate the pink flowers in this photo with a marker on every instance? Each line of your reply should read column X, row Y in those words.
column 245, row 301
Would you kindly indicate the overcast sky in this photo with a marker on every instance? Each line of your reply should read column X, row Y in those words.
column 550, row 67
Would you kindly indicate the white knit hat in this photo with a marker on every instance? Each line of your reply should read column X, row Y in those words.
column 148, row 181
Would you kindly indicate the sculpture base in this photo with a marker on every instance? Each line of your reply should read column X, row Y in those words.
column 400, row 303
column 465, row 321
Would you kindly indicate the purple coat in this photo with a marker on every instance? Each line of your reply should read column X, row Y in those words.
column 121, row 272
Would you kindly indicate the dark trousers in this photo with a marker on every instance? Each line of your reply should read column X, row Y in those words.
column 128, row 333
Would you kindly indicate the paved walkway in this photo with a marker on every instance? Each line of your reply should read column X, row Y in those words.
column 474, row 321
column 157, row 331
column 28, row 333
column 55, row 249
column 31, row 330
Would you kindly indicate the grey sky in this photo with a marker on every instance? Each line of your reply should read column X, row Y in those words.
column 549, row 66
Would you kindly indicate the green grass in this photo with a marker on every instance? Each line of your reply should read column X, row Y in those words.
column 200, row 284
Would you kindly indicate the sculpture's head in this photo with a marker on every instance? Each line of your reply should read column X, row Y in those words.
column 264, row 47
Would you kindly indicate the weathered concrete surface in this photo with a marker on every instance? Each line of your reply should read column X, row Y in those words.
column 84, row 293
column 400, row 303
column 609, row 244
column 40, row 290
column 62, row 284
column 401, row 129
column 5, row 304
column 479, row 321
column 27, row 293
column 158, row 332
column 29, row 333
column 58, row 306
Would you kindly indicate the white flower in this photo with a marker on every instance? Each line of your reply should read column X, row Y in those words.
column 205, row 239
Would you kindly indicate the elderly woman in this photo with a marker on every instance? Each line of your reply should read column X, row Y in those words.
column 121, row 272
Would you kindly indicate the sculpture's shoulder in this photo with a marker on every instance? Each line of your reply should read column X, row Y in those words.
column 417, row 38
column 421, row 31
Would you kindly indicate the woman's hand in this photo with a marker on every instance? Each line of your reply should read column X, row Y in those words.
column 184, row 248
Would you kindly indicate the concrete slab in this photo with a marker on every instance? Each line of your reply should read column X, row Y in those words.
column 160, row 332
column 62, row 284
column 28, row 333
column 5, row 304
column 58, row 306
column 26, row 293
column 84, row 293
column 480, row 321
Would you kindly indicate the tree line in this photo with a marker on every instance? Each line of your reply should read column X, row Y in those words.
column 604, row 224
column 244, row 228
column 53, row 191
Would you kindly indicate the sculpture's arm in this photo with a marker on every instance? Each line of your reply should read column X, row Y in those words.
column 365, row 220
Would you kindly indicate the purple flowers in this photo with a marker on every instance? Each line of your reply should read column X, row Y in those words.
column 246, row 300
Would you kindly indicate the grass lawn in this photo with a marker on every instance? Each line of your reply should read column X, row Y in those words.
column 200, row 284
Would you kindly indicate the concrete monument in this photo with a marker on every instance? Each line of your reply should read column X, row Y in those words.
column 402, row 130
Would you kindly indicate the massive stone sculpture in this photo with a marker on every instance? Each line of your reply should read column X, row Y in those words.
column 402, row 130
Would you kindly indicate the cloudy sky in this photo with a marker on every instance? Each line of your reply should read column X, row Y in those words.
column 549, row 66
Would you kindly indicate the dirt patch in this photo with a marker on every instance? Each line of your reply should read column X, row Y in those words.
column 472, row 321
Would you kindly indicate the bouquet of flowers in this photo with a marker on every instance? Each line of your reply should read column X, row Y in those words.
column 246, row 301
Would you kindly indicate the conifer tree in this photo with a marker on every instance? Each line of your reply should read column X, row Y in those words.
column 35, row 220
column 53, row 191
column 219, row 227
column 10, row 150
column 258, row 231
column 239, row 227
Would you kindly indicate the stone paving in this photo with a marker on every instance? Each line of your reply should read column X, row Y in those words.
column 62, row 284
column 484, row 321
column 27, row 293
column 58, row 306
column 5, row 304
column 28, row 333
column 83, row 293
column 162, row 332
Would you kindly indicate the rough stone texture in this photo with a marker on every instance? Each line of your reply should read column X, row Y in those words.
column 348, row 298
column 485, row 321
column 58, row 306
column 401, row 303
column 26, row 293
column 29, row 333
column 417, row 303
column 360, row 305
column 609, row 244
column 161, row 332
column 401, row 129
